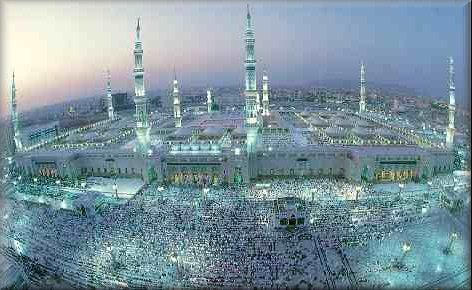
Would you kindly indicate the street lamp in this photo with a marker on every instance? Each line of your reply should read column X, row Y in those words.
column 115, row 190
column 406, row 248
column 400, row 186
column 454, row 236
column 358, row 189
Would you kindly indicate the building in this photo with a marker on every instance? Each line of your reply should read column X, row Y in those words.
column 39, row 133
column 212, row 147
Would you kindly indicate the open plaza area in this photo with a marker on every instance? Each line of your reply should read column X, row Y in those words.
column 186, row 237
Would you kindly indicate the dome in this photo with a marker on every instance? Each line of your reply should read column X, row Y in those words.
column 213, row 131
column 342, row 122
column 363, row 123
column 183, row 132
column 317, row 121
column 384, row 132
column 239, row 131
column 335, row 131
column 361, row 131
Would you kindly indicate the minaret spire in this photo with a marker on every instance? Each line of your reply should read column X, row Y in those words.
column 111, row 112
column 14, row 117
column 140, row 98
column 138, row 30
column 209, row 101
column 252, row 116
column 362, row 92
column 265, row 94
column 248, row 17
column 452, row 106
column 176, row 97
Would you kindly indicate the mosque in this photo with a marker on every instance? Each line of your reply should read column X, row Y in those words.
column 239, row 146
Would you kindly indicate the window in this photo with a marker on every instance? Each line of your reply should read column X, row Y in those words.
column 292, row 221
column 300, row 221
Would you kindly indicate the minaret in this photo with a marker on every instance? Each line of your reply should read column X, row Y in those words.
column 362, row 92
column 258, row 103
column 265, row 94
column 111, row 113
column 452, row 106
column 176, row 96
column 252, row 115
column 14, row 118
column 140, row 99
column 209, row 101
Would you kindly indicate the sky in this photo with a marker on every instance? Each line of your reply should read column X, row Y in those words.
column 61, row 50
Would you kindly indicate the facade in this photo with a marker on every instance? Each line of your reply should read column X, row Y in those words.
column 213, row 148
column 290, row 212
column 37, row 134
column 120, row 101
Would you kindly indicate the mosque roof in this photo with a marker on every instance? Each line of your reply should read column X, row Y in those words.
column 363, row 123
column 184, row 131
column 335, row 131
column 384, row 132
column 343, row 122
column 240, row 131
column 317, row 121
column 361, row 131
column 214, row 131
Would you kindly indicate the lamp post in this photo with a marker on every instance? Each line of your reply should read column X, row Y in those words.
column 454, row 236
column 358, row 189
column 58, row 182
column 115, row 190
column 406, row 248
column 400, row 188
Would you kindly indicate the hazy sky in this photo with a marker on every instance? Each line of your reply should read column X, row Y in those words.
column 61, row 50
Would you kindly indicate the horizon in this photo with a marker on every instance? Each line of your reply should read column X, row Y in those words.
column 72, row 52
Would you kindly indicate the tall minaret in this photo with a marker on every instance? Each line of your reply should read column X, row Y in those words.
column 14, row 118
column 258, row 103
column 140, row 99
column 265, row 94
column 209, row 101
column 111, row 112
column 252, row 115
column 452, row 106
column 176, row 96
column 362, row 92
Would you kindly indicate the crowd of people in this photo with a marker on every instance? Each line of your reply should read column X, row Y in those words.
column 184, row 236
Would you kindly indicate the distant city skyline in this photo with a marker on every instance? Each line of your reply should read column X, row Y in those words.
column 60, row 51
